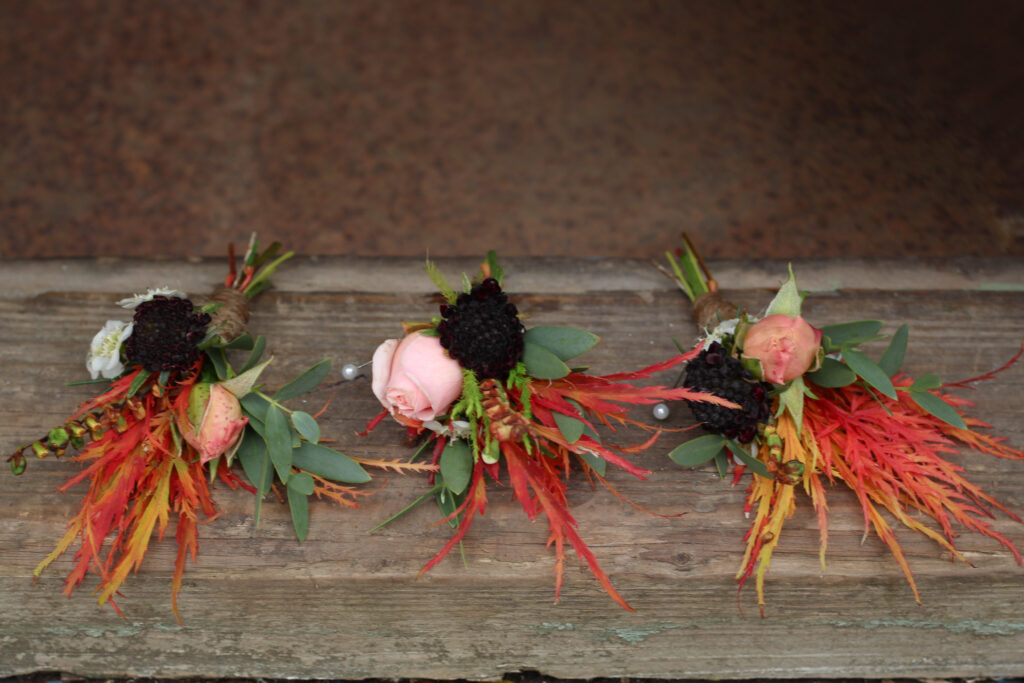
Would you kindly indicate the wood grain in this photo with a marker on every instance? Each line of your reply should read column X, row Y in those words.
column 346, row 604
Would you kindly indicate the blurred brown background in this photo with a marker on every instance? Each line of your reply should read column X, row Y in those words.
column 590, row 127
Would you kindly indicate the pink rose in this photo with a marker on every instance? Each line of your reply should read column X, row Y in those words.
column 216, row 421
column 786, row 346
column 415, row 378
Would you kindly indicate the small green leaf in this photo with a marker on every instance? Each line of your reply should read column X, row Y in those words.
column 791, row 399
column 925, row 382
column 304, row 382
column 564, row 342
column 299, row 504
column 255, row 406
column 137, row 383
column 457, row 465
column 252, row 452
column 571, row 427
column 600, row 465
column 220, row 362
column 851, row 333
column 302, row 483
column 892, row 359
column 243, row 341
column 279, row 442
column 543, row 364
column 788, row 299
column 305, row 424
column 591, row 433
column 934, row 405
column 497, row 272
column 832, row 374
column 746, row 458
column 258, row 347
column 697, row 451
column 241, row 385
column 328, row 463
column 869, row 371
column 447, row 503
column 722, row 463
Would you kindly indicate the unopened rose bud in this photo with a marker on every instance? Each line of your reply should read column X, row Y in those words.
column 786, row 346
column 215, row 421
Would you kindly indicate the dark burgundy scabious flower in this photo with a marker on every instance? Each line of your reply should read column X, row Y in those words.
column 481, row 331
column 165, row 334
column 718, row 373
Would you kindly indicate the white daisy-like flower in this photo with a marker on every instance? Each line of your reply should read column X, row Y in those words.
column 105, row 350
column 724, row 328
column 133, row 301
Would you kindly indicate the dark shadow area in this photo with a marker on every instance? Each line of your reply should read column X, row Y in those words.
column 591, row 128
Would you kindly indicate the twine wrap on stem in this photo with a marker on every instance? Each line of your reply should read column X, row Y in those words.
column 230, row 319
column 711, row 308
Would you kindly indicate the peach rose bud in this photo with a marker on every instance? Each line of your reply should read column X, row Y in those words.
column 415, row 378
column 216, row 421
column 786, row 346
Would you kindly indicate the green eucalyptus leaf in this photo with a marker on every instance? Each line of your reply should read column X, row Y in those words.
column 302, row 482
column 722, row 463
column 298, row 502
column 564, row 342
column 328, row 463
column 255, row 406
column 697, row 451
column 925, row 382
column 252, row 452
column 851, row 333
column 219, row 361
column 243, row 341
column 892, row 359
column 869, row 371
column 304, row 382
column 279, row 442
column 599, row 464
column 457, row 465
column 258, row 347
column 934, row 405
column 447, row 503
column 746, row 458
column 305, row 424
column 543, row 364
column 571, row 427
column 832, row 374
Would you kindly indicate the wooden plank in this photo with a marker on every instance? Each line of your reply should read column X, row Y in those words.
column 346, row 605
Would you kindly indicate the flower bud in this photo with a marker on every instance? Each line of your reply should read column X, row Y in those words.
column 58, row 437
column 215, row 421
column 17, row 463
column 786, row 346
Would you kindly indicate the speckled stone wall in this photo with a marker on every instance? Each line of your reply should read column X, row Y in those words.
column 592, row 127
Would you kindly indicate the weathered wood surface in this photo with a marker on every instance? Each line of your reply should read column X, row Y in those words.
column 346, row 605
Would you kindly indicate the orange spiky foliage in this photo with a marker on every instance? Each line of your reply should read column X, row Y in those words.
column 890, row 453
column 139, row 473
column 540, row 419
